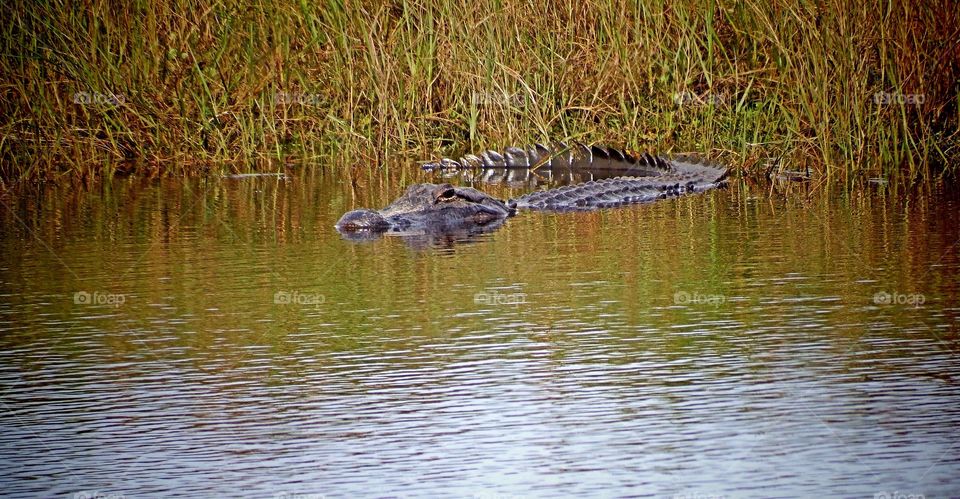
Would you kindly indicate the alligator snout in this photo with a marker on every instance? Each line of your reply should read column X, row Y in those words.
column 362, row 219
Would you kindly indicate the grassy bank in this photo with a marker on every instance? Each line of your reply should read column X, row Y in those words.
column 843, row 88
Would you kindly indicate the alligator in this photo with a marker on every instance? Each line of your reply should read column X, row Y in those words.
column 625, row 178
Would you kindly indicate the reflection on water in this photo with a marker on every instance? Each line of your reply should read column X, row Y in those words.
column 218, row 338
column 532, row 178
column 426, row 237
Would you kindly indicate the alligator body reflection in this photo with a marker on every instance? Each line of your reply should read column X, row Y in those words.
column 622, row 178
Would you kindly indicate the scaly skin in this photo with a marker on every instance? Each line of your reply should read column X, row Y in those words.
column 443, row 207
column 429, row 206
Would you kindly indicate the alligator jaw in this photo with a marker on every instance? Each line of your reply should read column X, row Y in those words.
column 362, row 219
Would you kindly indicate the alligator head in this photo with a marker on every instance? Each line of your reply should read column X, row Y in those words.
column 428, row 208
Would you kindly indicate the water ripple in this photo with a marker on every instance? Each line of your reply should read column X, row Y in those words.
column 685, row 348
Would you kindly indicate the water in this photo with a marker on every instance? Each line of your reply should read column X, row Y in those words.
column 218, row 338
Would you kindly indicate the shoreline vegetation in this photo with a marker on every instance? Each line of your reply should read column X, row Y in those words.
column 843, row 90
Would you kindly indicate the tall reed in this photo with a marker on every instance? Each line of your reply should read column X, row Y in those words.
column 843, row 88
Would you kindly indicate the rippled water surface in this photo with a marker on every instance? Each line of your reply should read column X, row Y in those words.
column 218, row 338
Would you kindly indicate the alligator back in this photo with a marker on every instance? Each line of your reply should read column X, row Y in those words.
column 554, row 157
column 641, row 177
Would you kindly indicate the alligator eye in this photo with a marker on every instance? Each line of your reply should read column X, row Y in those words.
column 447, row 195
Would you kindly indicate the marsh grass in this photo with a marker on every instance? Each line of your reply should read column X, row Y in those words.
column 843, row 89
